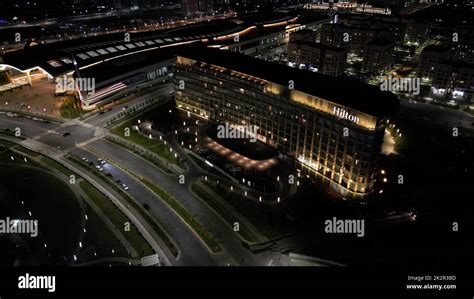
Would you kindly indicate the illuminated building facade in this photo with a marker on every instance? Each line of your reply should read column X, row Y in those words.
column 333, row 127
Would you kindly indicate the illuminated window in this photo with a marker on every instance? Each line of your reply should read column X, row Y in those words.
column 92, row 54
column 83, row 56
column 66, row 60
column 102, row 52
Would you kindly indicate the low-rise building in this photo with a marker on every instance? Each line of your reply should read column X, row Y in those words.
column 453, row 80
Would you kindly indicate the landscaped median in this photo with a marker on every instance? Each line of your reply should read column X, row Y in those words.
column 158, row 163
column 117, row 218
column 203, row 233
column 243, row 232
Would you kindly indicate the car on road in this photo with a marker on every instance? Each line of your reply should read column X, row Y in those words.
column 124, row 187
column 99, row 168
column 101, row 161
column 65, row 134
column 85, row 160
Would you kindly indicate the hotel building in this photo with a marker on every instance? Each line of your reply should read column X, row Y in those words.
column 333, row 127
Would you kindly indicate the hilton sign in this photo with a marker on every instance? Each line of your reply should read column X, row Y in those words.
column 341, row 113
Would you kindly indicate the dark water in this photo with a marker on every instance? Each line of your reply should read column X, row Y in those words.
column 52, row 203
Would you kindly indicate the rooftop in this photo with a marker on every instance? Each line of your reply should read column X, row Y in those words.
column 351, row 93
column 317, row 45
column 58, row 58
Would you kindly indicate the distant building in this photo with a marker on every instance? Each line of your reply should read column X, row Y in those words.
column 121, row 4
column 190, row 7
column 463, row 46
column 325, row 59
column 417, row 33
column 432, row 1
column 205, row 6
column 431, row 55
column 453, row 79
column 377, row 56
column 354, row 39
column 304, row 34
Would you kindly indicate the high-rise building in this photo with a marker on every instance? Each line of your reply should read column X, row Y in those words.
column 302, row 114
column 354, row 39
column 377, row 56
column 417, row 32
column 190, row 7
column 431, row 55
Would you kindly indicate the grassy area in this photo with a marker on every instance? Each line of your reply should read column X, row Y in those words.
column 222, row 211
column 25, row 151
column 70, row 108
column 118, row 219
column 145, row 214
column 100, row 240
column 55, row 165
column 205, row 235
column 261, row 216
column 7, row 143
column 152, row 159
column 152, row 145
